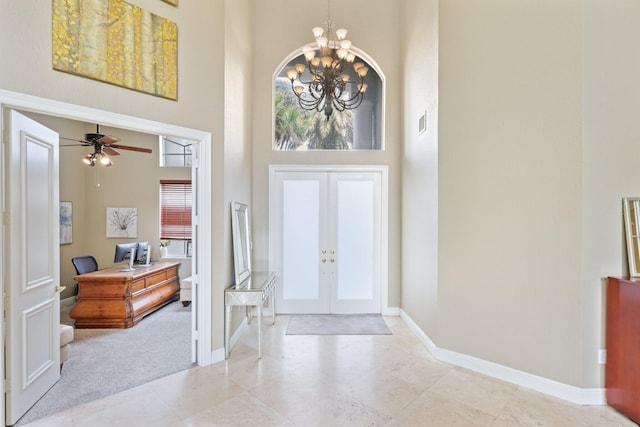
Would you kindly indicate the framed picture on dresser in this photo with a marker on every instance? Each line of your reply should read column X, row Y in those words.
column 631, row 213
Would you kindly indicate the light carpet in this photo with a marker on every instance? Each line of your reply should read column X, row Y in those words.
column 103, row 362
column 337, row 324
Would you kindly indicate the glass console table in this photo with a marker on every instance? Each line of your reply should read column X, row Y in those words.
column 253, row 292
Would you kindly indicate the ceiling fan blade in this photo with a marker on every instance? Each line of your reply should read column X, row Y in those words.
column 110, row 151
column 126, row 147
column 107, row 139
column 82, row 141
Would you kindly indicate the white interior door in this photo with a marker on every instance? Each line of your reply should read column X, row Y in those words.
column 32, row 266
column 327, row 241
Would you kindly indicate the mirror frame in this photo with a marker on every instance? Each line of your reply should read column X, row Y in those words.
column 631, row 210
column 241, row 242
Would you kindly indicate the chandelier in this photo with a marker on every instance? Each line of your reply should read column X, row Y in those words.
column 329, row 85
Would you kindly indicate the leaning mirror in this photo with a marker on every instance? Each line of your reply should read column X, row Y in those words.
column 241, row 242
column 631, row 209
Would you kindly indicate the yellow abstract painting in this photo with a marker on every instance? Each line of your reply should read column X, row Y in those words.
column 116, row 42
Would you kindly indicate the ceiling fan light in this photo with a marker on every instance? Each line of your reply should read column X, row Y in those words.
column 105, row 160
column 87, row 159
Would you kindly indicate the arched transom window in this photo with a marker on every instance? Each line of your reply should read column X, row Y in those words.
column 298, row 128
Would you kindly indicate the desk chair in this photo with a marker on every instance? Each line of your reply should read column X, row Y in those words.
column 85, row 264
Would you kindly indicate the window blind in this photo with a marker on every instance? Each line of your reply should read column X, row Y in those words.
column 175, row 209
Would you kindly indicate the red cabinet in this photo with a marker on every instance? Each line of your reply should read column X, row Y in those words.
column 623, row 346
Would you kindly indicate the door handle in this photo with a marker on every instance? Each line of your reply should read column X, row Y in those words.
column 59, row 288
column 332, row 260
column 324, row 260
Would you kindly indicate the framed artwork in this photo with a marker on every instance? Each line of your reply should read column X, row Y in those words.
column 122, row 222
column 115, row 42
column 66, row 223
column 631, row 215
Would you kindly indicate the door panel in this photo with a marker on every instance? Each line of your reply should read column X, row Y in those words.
column 357, row 223
column 301, row 242
column 32, row 266
column 327, row 241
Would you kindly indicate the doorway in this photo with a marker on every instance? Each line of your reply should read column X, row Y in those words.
column 202, row 248
column 328, row 238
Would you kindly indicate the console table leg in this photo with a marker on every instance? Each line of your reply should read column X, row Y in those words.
column 227, row 329
column 273, row 305
column 259, row 307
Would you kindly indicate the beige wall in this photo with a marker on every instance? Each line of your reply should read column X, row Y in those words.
column 510, row 184
column 420, row 165
column 373, row 27
column 237, row 134
column 611, row 155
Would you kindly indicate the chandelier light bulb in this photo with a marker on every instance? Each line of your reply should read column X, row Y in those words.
column 299, row 68
column 362, row 71
column 292, row 74
column 317, row 31
column 322, row 41
column 309, row 54
column 341, row 34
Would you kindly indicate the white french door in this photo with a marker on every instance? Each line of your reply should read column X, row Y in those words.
column 32, row 275
column 327, row 240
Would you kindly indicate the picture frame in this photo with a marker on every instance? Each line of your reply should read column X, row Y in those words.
column 241, row 242
column 66, row 223
column 122, row 223
column 631, row 214
column 118, row 33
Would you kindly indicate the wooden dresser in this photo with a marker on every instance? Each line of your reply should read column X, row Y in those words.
column 623, row 346
column 113, row 298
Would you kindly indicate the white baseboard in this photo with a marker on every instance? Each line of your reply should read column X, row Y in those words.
column 217, row 355
column 391, row 311
column 580, row 396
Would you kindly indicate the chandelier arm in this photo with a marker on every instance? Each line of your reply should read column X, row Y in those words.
column 310, row 104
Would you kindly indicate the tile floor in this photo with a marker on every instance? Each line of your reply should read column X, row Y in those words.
column 384, row 380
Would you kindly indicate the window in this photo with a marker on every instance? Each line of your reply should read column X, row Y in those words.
column 175, row 152
column 175, row 216
column 299, row 129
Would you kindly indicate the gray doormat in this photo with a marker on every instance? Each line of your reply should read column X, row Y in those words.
column 337, row 324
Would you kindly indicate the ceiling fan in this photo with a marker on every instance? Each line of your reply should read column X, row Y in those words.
column 103, row 147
